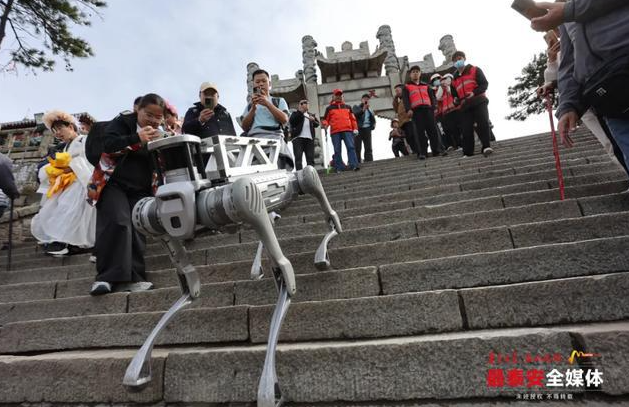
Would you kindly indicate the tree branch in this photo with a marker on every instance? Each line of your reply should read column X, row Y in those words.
column 4, row 19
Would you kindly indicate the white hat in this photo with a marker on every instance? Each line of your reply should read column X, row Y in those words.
column 435, row 76
column 207, row 85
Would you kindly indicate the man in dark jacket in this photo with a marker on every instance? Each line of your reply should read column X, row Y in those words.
column 594, row 68
column 208, row 118
column 420, row 103
column 302, row 128
column 470, row 84
column 366, row 120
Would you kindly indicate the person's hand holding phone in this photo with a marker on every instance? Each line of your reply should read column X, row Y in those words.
column 552, row 19
column 205, row 115
column 147, row 134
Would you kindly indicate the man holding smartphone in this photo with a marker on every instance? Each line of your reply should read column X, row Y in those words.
column 207, row 117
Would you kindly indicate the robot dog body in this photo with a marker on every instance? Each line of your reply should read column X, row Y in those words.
column 240, row 185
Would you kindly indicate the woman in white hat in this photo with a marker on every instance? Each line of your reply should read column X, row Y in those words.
column 66, row 223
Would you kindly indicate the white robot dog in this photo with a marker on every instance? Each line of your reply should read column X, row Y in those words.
column 241, row 185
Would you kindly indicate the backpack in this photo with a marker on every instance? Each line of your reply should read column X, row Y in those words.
column 94, row 142
column 284, row 128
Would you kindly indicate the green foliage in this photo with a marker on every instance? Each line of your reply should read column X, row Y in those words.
column 522, row 96
column 37, row 32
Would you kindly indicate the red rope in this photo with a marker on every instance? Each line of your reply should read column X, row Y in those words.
column 549, row 106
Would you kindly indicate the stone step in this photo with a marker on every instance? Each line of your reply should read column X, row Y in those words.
column 464, row 183
column 531, row 147
column 358, row 252
column 456, row 173
column 436, row 203
column 450, row 193
column 320, row 372
column 414, row 169
column 490, row 268
column 445, row 164
column 82, row 258
column 521, row 305
column 500, row 177
column 233, row 252
column 362, row 282
column 287, row 225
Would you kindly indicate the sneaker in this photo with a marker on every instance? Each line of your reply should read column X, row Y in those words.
column 450, row 148
column 93, row 259
column 134, row 287
column 487, row 152
column 59, row 253
column 421, row 157
column 356, row 169
column 100, row 288
column 55, row 247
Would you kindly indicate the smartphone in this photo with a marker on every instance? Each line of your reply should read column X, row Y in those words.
column 209, row 103
column 257, row 91
column 528, row 8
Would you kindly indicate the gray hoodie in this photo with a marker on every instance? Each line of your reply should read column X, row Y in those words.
column 594, row 36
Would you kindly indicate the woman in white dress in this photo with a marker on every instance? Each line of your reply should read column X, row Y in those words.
column 66, row 221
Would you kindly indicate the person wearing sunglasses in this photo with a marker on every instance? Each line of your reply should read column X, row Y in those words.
column 302, row 126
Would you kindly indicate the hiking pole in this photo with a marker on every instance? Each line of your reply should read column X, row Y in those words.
column 549, row 107
column 10, row 236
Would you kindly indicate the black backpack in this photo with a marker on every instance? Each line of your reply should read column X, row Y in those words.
column 94, row 142
column 284, row 128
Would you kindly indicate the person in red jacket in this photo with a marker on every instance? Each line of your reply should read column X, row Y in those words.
column 342, row 123
column 420, row 104
column 471, row 85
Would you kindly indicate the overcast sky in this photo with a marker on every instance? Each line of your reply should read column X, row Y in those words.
column 170, row 47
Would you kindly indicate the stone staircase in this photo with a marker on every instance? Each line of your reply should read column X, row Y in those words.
column 442, row 264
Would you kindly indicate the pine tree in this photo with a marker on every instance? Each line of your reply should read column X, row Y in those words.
column 36, row 32
column 522, row 96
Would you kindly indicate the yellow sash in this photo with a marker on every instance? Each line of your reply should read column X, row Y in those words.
column 58, row 178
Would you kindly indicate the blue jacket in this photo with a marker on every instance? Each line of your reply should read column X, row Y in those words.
column 595, row 35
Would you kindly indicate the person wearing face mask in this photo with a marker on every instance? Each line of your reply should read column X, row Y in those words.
column 435, row 82
column 448, row 108
column 66, row 223
column 420, row 104
column 123, row 176
column 471, row 85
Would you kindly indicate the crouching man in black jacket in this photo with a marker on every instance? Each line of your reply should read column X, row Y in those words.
column 208, row 118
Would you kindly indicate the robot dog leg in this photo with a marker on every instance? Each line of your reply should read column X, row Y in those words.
column 139, row 370
column 243, row 203
column 309, row 183
column 302, row 182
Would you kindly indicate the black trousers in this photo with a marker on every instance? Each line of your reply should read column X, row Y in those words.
column 426, row 128
column 363, row 137
column 451, row 123
column 399, row 148
column 303, row 145
column 411, row 136
column 119, row 246
column 478, row 115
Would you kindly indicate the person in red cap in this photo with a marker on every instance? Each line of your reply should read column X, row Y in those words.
column 342, row 123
